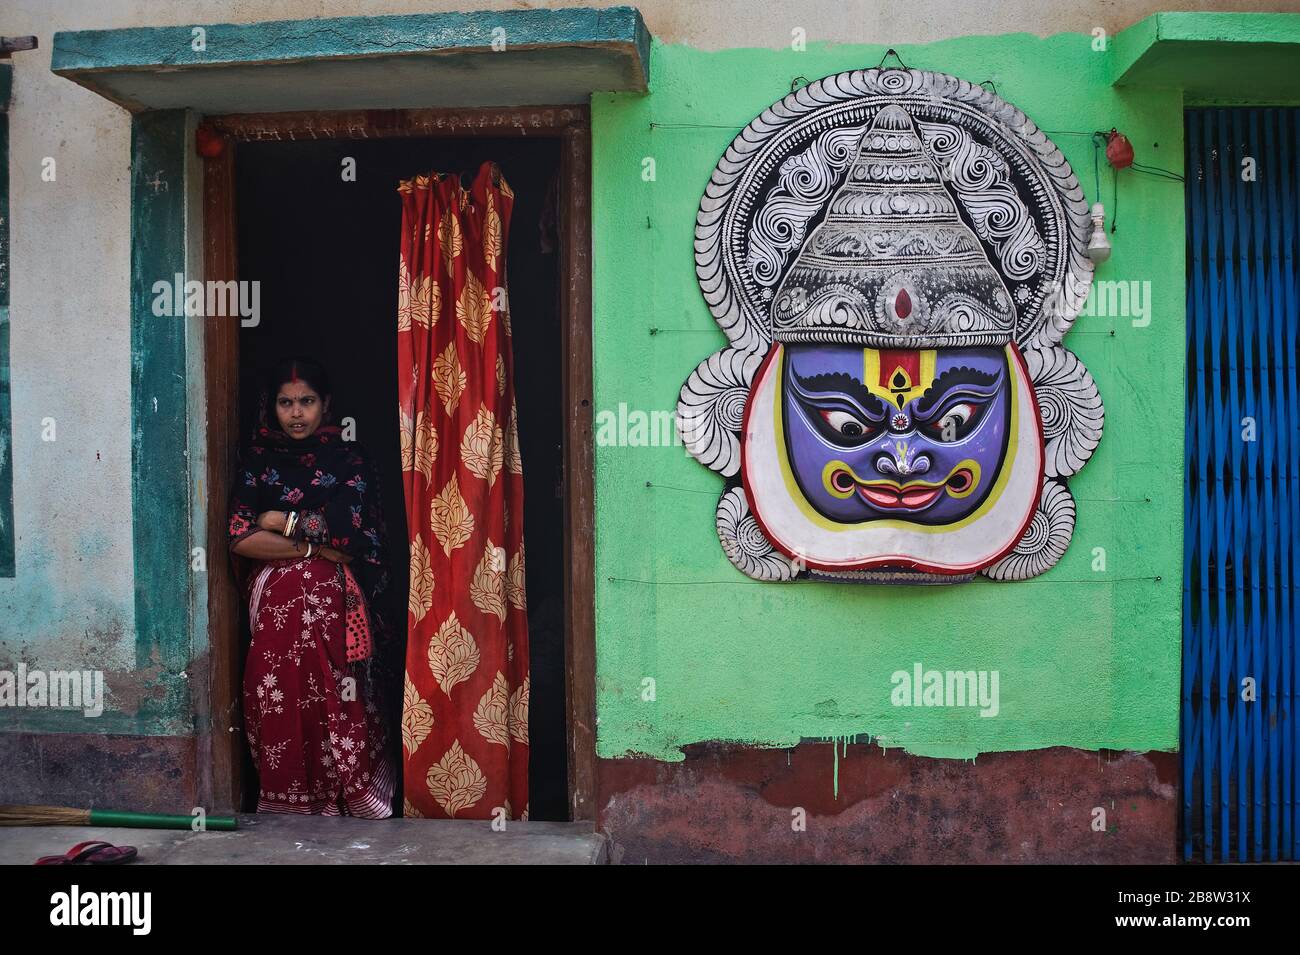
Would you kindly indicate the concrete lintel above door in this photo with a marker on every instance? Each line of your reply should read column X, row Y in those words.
column 486, row 58
column 1247, row 57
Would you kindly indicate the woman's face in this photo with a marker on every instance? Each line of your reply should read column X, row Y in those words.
column 299, row 409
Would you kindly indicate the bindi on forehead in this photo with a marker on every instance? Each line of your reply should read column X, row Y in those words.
column 898, row 376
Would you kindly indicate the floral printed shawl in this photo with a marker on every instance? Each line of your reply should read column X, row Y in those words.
column 329, row 481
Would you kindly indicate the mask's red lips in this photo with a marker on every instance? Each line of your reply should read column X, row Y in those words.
column 909, row 497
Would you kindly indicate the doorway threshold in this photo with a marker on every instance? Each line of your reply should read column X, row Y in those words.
column 283, row 839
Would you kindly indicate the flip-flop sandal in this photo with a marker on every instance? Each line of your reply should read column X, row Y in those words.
column 93, row 852
column 75, row 854
column 113, row 855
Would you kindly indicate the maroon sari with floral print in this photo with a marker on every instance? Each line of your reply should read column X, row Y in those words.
column 314, row 726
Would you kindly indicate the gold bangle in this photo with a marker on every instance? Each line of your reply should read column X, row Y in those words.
column 290, row 523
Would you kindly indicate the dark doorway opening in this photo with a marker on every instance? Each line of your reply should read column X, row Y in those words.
column 324, row 249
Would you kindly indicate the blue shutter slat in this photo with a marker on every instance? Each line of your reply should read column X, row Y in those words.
column 1241, row 497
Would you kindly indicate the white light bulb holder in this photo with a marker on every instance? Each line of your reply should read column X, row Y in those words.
column 1098, row 244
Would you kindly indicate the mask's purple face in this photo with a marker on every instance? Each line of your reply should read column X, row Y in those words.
column 910, row 435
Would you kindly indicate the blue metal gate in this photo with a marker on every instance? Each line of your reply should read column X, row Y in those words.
column 1242, row 503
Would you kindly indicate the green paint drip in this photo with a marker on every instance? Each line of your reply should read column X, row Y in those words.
column 839, row 747
column 836, row 750
column 836, row 743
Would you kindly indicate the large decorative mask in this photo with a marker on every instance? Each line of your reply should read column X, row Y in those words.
column 895, row 257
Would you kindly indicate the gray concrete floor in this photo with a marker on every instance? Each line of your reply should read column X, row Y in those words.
column 274, row 839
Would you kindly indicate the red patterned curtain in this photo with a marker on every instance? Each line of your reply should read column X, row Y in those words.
column 465, row 704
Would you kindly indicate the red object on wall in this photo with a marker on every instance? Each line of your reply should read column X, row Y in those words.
column 1119, row 151
column 209, row 144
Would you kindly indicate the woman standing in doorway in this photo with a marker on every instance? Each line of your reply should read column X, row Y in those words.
column 305, row 508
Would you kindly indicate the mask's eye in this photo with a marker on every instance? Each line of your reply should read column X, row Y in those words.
column 846, row 426
column 956, row 422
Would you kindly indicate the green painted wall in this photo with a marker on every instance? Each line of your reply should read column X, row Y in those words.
column 1085, row 659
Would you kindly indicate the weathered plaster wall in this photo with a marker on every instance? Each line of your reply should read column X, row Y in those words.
column 70, row 604
column 1086, row 659
column 732, row 659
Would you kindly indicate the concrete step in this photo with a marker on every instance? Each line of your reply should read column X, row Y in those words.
column 275, row 838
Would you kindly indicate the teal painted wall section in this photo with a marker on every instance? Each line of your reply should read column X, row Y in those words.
column 403, row 60
column 7, row 532
column 1085, row 658
column 160, row 481
column 287, row 41
column 8, row 567
column 56, row 620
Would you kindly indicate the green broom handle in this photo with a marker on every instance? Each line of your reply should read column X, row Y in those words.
column 154, row 820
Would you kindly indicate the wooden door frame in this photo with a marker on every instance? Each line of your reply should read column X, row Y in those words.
column 569, row 124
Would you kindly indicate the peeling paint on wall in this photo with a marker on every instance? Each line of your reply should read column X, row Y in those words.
column 729, row 803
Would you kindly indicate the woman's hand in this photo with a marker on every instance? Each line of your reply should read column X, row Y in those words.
column 329, row 553
column 272, row 521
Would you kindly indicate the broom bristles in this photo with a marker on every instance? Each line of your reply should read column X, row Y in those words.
column 43, row 816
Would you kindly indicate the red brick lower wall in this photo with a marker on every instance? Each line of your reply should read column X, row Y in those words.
column 94, row 770
column 731, row 803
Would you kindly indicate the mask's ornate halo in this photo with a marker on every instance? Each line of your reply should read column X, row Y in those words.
column 993, row 157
